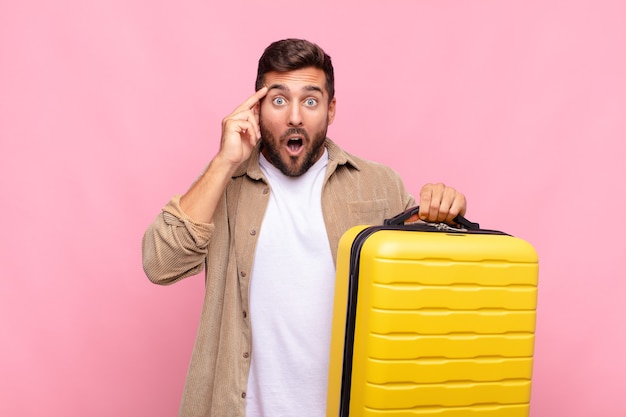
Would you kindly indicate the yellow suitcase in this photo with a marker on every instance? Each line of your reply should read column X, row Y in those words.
column 432, row 321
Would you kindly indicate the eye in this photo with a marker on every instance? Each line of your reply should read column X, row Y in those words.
column 311, row 102
column 279, row 101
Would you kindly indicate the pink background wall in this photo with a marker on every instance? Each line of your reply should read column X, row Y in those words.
column 107, row 108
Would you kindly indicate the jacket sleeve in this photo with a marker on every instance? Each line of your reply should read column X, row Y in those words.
column 174, row 246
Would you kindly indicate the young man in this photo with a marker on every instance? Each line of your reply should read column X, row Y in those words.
column 265, row 219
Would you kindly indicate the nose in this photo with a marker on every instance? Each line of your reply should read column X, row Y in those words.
column 295, row 117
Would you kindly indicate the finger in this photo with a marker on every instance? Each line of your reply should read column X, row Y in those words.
column 435, row 213
column 250, row 132
column 446, row 214
column 245, row 128
column 439, row 203
column 251, row 101
column 249, row 116
column 452, row 204
column 249, row 110
column 425, row 202
column 458, row 207
column 413, row 218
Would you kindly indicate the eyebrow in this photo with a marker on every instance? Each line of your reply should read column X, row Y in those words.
column 283, row 87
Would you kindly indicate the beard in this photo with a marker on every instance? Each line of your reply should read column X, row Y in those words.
column 292, row 166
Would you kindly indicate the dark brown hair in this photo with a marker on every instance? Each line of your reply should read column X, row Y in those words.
column 292, row 54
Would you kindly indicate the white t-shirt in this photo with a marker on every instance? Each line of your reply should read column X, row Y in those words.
column 291, row 296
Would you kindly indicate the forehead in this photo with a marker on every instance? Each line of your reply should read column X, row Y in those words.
column 304, row 79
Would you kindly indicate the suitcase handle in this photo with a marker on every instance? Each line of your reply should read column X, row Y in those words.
column 402, row 217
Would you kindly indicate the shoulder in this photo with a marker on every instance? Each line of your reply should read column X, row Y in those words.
column 368, row 165
column 360, row 166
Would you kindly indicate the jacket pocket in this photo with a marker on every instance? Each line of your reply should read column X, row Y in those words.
column 371, row 212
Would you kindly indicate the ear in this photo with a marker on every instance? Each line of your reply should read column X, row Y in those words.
column 331, row 110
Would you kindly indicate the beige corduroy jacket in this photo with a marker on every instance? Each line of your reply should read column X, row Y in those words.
column 355, row 192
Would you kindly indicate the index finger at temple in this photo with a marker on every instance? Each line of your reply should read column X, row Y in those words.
column 252, row 100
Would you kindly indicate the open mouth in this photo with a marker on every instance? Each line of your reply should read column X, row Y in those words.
column 294, row 144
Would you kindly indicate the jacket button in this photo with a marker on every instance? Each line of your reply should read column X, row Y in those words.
column 246, row 355
column 243, row 395
column 253, row 232
column 266, row 190
column 243, row 273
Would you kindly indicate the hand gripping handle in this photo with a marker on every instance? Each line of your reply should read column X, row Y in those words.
column 402, row 217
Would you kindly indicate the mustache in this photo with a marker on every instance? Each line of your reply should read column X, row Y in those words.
column 293, row 131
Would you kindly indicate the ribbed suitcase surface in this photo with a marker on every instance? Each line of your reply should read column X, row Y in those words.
column 432, row 324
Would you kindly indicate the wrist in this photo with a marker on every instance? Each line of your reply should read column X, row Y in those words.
column 223, row 164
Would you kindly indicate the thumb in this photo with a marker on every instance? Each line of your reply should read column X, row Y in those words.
column 413, row 218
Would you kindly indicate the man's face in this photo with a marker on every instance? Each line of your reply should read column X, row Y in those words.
column 294, row 117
